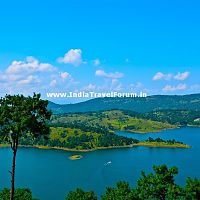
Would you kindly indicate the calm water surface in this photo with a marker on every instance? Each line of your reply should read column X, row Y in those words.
column 50, row 174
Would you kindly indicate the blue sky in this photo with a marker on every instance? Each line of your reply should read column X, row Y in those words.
column 101, row 45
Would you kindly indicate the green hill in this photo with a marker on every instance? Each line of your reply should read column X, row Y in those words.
column 109, row 121
column 176, row 117
column 137, row 104
column 94, row 130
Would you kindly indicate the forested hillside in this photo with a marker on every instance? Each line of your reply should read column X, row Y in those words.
column 109, row 121
column 93, row 130
column 177, row 117
column 138, row 104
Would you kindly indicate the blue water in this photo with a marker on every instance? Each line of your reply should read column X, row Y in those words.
column 50, row 174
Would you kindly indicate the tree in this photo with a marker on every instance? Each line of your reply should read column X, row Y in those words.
column 20, row 194
column 158, row 185
column 192, row 188
column 121, row 192
column 79, row 194
column 22, row 117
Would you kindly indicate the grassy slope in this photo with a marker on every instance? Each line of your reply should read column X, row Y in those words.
column 113, row 120
column 62, row 134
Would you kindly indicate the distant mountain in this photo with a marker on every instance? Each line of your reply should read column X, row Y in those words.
column 137, row 104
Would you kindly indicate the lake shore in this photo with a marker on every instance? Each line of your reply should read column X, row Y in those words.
column 162, row 145
column 144, row 144
column 152, row 131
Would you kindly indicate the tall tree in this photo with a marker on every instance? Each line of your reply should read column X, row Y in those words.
column 22, row 117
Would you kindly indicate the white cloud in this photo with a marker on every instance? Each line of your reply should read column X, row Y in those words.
column 96, row 62
column 30, row 65
column 181, row 76
column 5, row 77
column 30, row 79
column 64, row 75
column 30, row 76
column 114, row 75
column 169, row 88
column 24, row 76
column 73, row 56
column 110, row 85
column 161, row 76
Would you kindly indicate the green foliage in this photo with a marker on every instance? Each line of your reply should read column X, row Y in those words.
column 192, row 189
column 96, row 129
column 159, row 185
column 121, row 192
column 79, row 194
column 22, row 116
column 78, row 139
column 108, row 140
column 108, row 121
column 20, row 194
column 173, row 141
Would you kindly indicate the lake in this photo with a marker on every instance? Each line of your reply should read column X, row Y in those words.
column 50, row 174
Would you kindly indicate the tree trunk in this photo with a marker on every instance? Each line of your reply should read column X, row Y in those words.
column 12, row 191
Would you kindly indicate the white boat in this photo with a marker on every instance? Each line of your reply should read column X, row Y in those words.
column 108, row 163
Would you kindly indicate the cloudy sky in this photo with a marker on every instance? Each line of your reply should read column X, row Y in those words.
column 103, row 45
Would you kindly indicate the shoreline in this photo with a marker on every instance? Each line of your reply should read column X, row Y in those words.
column 155, row 131
column 140, row 144
column 163, row 145
column 67, row 149
column 161, row 130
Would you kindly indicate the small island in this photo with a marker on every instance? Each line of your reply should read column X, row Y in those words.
column 75, row 157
